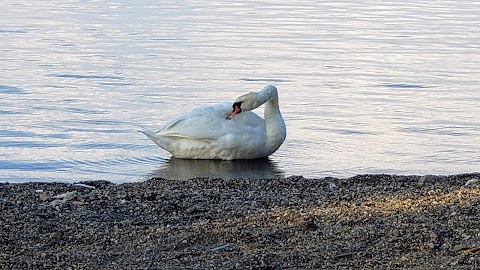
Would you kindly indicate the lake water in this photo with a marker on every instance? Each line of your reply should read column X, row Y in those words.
column 365, row 86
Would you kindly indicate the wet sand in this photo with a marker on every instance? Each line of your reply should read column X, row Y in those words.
column 367, row 222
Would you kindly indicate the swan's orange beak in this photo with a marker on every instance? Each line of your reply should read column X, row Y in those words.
column 236, row 110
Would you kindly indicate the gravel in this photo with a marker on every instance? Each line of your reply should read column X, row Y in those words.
column 367, row 221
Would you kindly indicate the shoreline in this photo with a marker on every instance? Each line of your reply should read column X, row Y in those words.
column 365, row 221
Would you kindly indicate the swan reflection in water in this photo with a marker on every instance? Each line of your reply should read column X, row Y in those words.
column 183, row 169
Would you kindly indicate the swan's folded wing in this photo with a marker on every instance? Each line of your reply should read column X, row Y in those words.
column 206, row 124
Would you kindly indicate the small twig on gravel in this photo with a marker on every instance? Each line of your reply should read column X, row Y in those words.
column 219, row 247
column 343, row 255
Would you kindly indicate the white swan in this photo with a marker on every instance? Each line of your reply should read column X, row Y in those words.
column 218, row 132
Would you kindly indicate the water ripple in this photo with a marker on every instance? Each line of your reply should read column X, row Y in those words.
column 12, row 90
column 8, row 112
column 272, row 80
column 16, row 31
column 404, row 85
column 442, row 131
column 29, row 134
column 28, row 144
column 78, row 76
column 109, row 146
column 35, row 166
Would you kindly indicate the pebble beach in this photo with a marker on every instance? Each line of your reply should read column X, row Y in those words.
column 362, row 222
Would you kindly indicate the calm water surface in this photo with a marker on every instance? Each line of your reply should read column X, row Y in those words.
column 365, row 86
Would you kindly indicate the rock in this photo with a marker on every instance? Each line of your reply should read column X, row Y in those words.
column 332, row 186
column 79, row 201
column 421, row 180
column 63, row 198
column 430, row 178
column 308, row 224
column 471, row 182
column 43, row 197
column 66, row 196
column 460, row 247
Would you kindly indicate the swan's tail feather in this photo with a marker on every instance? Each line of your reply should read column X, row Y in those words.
column 152, row 136
column 149, row 133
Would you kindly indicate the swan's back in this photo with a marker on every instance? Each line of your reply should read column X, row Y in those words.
column 205, row 133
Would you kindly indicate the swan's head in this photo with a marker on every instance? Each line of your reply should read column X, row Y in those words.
column 252, row 100
column 244, row 103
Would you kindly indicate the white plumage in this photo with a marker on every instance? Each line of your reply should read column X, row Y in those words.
column 206, row 133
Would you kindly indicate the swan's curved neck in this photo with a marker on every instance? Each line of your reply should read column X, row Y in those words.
column 274, row 124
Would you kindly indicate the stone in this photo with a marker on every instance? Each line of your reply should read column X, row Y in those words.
column 471, row 182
